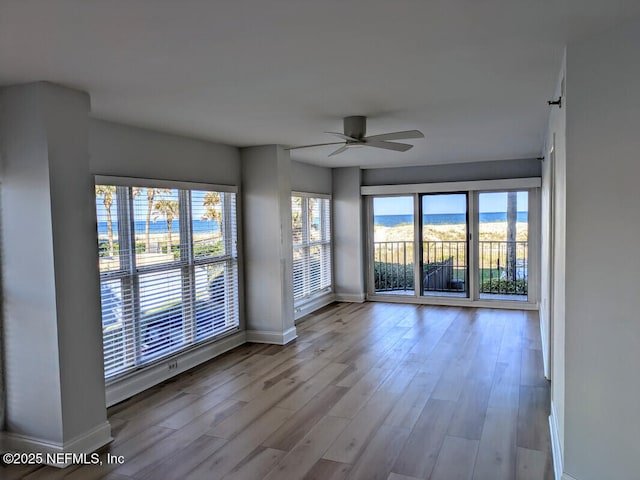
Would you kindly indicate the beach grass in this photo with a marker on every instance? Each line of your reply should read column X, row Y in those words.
column 488, row 231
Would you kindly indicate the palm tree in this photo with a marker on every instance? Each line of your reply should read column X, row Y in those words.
column 169, row 210
column 107, row 192
column 296, row 219
column 151, row 195
column 210, row 201
column 512, row 219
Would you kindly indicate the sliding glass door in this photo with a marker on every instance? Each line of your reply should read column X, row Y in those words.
column 393, row 245
column 444, row 226
column 458, row 247
column 503, row 245
column 438, row 252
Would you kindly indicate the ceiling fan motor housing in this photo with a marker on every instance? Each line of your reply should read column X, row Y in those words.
column 355, row 126
column 355, row 131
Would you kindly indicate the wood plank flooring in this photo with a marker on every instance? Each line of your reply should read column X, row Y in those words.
column 367, row 391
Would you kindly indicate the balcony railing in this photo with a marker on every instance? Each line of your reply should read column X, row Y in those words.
column 445, row 267
column 393, row 266
column 503, row 267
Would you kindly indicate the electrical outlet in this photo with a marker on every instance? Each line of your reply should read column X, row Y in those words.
column 173, row 365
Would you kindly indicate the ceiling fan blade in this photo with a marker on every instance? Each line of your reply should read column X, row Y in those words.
column 314, row 145
column 398, row 147
column 396, row 135
column 343, row 136
column 338, row 151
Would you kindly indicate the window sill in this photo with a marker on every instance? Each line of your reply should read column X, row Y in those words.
column 313, row 303
column 145, row 378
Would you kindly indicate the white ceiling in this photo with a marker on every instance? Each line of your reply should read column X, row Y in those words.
column 473, row 75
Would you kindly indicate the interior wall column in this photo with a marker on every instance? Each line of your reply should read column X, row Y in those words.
column 52, row 323
column 268, row 254
column 348, row 239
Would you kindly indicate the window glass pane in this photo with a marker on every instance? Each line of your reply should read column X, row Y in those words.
column 211, row 299
column 299, row 266
column 311, row 229
column 161, row 313
column 207, row 224
column 296, row 220
column 325, row 265
column 153, row 308
column 315, row 227
column 494, row 207
column 503, row 246
column 107, row 216
column 393, row 240
column 315, row 268
column 444, row 245
column 113, row 327
column 326, row 220
column 157, row 225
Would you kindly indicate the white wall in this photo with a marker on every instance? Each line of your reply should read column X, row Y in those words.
column 348, row 244
column 310, row 178
column 121, row 150
column 492, row 170
column 553, row 250
column 602, row 354
column 546, row 233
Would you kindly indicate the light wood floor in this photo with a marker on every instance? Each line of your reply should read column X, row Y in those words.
column 367, row 391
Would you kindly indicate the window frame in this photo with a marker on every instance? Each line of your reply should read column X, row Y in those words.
column 473, row 188
column 326, row 241
column 129, row 273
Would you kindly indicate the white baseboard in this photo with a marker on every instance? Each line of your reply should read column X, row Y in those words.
column 555, row 446
column 290, row 335
column 452, row 302
column 276, row 338
column 85, row 443
column 350, row 297
column 545, row 346
column 159, row 372
column 312, row 305
column 566, row 476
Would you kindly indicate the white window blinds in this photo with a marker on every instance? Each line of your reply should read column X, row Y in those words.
column 311, row 228
column 168, row 271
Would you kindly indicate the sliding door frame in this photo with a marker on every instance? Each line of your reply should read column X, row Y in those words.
column 472, row 237
column 467, row 221
column 417, row 246
column 472, row 189
column 370, row 249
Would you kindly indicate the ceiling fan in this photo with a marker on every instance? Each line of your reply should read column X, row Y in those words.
column 355, row 131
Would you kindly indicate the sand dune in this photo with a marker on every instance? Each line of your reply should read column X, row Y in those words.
column 488, row 231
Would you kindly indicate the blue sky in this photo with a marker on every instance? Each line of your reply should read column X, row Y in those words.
column 453, row 203
column 432, row 204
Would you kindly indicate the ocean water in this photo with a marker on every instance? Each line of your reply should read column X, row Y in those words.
column 199, row 226
column 445, row 218
column 208, row 226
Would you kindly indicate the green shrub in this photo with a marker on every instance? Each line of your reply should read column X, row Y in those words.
column 393, row 276
column 398, row 276
column 208, row 249
column 504, row 286
column 103, row 248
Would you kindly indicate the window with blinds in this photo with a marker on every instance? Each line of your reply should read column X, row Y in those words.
column 168, row 271
column 311, row 229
